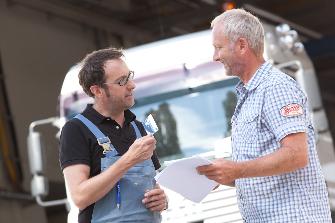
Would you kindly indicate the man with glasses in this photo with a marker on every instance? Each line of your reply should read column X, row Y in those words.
column 107, row 159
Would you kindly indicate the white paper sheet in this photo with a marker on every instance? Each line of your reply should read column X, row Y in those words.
column 182, row 177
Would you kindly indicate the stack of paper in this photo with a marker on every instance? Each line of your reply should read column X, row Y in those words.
column 182, row 177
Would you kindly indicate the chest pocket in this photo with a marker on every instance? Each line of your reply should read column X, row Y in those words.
column 246, row 128
column 143, row 169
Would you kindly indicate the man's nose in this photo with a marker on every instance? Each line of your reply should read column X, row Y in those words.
column 216, row 56
column 131, row 84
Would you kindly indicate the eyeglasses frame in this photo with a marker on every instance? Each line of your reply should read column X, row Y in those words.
column 130, row 76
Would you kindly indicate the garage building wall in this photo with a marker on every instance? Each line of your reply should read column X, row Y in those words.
column 36, row 51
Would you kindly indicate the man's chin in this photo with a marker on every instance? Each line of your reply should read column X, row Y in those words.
column 129, row 105
column 229, row 73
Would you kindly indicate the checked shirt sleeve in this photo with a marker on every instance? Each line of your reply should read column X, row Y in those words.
column 277, row 98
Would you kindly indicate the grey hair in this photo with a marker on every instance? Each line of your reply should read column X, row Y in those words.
column 238, row 23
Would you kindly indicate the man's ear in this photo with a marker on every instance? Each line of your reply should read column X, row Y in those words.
column 96, row 90
column 242, row 45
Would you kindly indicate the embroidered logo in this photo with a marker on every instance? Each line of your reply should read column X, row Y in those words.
column 291, row 110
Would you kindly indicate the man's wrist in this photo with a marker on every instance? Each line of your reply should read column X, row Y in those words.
column 241, row 166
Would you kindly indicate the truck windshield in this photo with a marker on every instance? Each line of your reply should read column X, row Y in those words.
column 190, row 121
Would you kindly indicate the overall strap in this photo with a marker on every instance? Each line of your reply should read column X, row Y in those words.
column 102, row 139
column 137, row 131
column 93, row 128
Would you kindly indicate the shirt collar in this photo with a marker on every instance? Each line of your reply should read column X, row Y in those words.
column 98, row 118
column 256, row 79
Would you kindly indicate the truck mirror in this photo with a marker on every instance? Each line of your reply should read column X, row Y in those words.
column 39, row 183
column 35, row 153
column 39, row 186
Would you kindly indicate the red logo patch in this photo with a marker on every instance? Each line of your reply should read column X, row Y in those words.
column 291, row 110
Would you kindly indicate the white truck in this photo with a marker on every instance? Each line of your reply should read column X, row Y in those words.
column 192, row 101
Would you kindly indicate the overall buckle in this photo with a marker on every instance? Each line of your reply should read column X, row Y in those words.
column 105, row 143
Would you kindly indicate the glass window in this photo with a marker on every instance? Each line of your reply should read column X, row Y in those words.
column 190, row 121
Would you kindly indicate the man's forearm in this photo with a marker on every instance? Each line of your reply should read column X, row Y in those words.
column 93, row 189
column 284, row 160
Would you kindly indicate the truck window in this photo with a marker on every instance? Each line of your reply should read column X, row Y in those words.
column 190, row 121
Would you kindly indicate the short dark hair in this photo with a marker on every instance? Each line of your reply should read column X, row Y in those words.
column 92, row 71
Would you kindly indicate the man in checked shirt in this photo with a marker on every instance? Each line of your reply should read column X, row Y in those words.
column 274, row 164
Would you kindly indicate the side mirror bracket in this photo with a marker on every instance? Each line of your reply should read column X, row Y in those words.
column 39, row 182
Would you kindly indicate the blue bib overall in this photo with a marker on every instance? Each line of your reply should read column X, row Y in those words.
column 132, row 186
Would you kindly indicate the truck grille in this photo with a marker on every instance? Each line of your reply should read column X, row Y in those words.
column 219, row 206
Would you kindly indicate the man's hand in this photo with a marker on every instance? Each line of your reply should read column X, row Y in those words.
column 142, row 149
column 222, row 171
column 155, row 199
column 291, row 156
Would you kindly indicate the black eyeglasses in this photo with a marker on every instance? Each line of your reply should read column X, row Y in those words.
column 124, row 80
